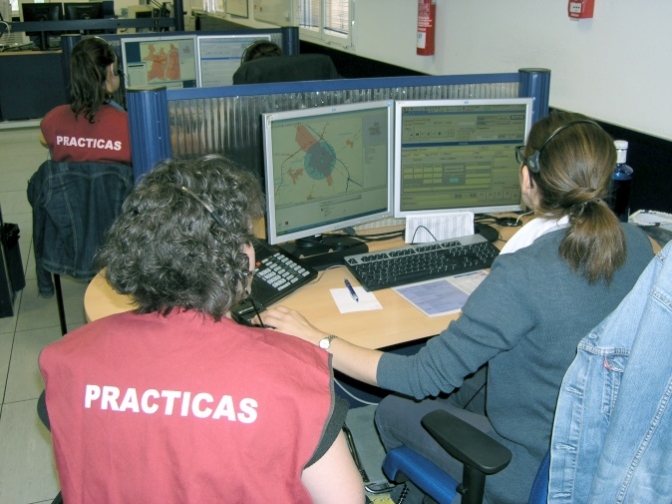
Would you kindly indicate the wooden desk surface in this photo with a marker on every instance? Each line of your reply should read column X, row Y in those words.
column 398, row 321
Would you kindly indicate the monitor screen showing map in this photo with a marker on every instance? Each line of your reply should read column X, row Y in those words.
column 327, row 168
column 458, row 155
column 160, row 61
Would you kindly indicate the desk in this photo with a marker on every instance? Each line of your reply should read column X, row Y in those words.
column 398, row 322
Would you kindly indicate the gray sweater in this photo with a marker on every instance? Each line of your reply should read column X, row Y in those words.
column 525, row 320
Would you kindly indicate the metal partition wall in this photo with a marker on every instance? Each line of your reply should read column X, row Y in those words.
column 227, row 120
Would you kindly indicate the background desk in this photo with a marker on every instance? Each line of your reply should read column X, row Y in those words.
column 397, row 323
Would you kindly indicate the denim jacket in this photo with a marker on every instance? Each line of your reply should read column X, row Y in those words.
column 612, row 435
column 74, row 204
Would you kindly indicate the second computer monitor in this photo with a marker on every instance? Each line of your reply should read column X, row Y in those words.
column 77, row 11
column 327, row 168
column 43, row 12
column 459, row 155
column 160, row 61
column 219, row 57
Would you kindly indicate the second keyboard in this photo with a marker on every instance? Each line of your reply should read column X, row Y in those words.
column 417, row 263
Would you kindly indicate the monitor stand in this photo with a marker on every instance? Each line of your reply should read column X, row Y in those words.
column 322, row 252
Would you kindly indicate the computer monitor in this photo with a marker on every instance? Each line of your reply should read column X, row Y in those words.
column 77, row 11
column 219, row 57
column 160, row 60
column 458, row 155
column 140, row 12
column 42, row 12
column 326, row 169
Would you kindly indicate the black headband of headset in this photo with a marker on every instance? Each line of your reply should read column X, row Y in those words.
column 533, row 161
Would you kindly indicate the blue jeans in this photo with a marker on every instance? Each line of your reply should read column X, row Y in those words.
column 611, row 437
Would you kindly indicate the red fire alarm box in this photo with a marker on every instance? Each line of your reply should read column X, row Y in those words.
column 580, row 9
column 426, row 27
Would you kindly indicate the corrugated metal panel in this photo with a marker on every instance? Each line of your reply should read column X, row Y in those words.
column 231, row 125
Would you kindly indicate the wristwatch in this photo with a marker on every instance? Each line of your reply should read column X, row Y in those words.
column 326, row 341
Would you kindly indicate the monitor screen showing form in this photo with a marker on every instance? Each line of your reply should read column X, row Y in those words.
column 219, row 57
column 327, row 168
column 160, row 61
column 459, row 155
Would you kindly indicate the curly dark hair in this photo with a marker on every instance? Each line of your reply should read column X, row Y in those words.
column 89, row 61
column 167, row 251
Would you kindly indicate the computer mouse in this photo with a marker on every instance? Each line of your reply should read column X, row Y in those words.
column 487, row 232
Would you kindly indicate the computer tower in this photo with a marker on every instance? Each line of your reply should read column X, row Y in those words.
column 12, row 278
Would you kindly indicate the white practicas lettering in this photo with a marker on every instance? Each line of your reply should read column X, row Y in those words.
column 170, row 402
column 89, row 143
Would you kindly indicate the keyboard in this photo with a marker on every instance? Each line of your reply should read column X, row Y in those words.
column 417, row 263
column 277, row 275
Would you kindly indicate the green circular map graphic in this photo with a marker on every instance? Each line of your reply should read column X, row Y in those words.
column 320, row 160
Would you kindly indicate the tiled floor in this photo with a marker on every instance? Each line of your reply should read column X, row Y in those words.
column 27, row 471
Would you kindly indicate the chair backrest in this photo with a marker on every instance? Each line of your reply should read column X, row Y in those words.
column 302, row 67
column 540, row 485
column 74, row 204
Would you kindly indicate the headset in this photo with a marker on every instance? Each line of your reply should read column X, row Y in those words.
column 533, row 162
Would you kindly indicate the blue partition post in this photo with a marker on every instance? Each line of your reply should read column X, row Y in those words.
column 150, row 134
column 536, row 83
column 290, row 40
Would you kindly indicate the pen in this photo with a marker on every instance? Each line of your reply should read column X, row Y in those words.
column 352, row 291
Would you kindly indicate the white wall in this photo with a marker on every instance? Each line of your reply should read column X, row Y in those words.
column 616, row 67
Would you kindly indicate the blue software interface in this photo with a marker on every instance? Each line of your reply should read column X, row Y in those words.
column 219, row 57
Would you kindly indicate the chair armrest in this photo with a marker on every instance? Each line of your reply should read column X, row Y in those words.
column 466, row 443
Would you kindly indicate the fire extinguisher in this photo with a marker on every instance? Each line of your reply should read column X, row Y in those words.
column 426, row 27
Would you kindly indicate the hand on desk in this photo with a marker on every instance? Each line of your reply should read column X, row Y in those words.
column 292, row 322
column 358, row 362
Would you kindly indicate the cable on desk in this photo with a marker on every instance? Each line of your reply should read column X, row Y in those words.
column 381, row 236
column 418, row 229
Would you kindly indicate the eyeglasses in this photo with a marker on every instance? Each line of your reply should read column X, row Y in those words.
column 522, row 160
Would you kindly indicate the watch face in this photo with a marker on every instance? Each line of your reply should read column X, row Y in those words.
column 326, row 341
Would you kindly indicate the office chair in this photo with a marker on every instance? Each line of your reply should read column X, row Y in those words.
column 480, row 454
column 622, row 445
column 302, row 67
column 73, row 204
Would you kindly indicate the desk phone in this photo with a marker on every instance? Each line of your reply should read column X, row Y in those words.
column 277, row 274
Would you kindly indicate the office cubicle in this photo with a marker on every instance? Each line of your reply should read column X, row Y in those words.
column 188, row 123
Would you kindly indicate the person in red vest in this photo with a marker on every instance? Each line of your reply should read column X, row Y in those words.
column 174, row 402
column 93, row 127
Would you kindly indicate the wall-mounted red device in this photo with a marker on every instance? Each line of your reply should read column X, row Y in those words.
column 580, row 9
column 426, row 27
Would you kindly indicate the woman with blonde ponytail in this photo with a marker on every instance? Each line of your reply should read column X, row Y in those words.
column 500, row 365
column 92, row 128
